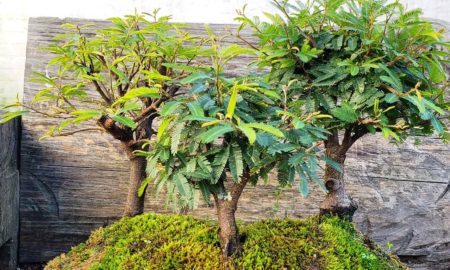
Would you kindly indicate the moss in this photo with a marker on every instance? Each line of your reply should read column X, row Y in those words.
column 153, row 241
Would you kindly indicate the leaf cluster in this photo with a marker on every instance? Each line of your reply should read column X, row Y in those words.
column 227, row 128
column 372, row 65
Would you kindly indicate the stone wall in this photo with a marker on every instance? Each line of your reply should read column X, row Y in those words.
column 9, row 194
column 72, row 185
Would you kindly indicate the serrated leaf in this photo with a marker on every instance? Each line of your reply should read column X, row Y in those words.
column 418, row 103
column 391, row 98
column 235, row 162
column 175, row 137
column 162, row 127
column 220, row 160
column 182, row 184
column 280, row 148
column 249, row 133
column 332, row 163
column 169, row 107
column 214, row 133
column 437, row 125
column 345, row 113
column 195, row 108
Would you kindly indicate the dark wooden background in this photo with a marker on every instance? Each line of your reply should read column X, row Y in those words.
column 9, row 193
column 72, row 185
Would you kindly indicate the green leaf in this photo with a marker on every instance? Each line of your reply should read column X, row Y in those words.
column 11, row 115
column 432, row 106
column 437, row 125
column 220, row 160
column 196, row 109
column 143, row 186
column 332, row 163
column 176, row 136
column 122, row 76
column 84, row 115
column 169, row 107
column 138, row 92
column 194, row 77
column 267, row 128
column 162, row 127
column 345, row 113
column 182, row 184
column 303, row 188
column 393, row 78
column 214, row 133
column 125, row 121
column 128, row 107
column 232, row 103
column 235, row 162
column 418, row 103
column 391, row 98
column 249, row 132
column 354, row 70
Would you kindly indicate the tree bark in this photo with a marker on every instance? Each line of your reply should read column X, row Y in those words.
column 226, row 209
column 337, row 201
column 135, row 204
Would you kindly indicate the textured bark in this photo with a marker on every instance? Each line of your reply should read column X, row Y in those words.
column 226, row 209
column 135, row 204
column 337, row 201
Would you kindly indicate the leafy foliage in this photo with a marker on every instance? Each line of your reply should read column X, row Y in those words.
column 152, row 241
column 228, row 126
column 121, row 73
column 373, row 65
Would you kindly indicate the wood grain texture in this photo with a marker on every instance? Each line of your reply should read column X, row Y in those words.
column 72, row 185
column 9, row 194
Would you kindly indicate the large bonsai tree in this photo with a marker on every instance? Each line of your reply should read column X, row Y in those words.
column 225, row 133
column 373, row 66
column 113, row 81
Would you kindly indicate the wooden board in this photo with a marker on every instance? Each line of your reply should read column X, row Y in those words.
column 72, row 185
column 9, row 193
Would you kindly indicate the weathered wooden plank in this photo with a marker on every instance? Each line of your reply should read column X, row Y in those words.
column 72, row 185
column 9, row 194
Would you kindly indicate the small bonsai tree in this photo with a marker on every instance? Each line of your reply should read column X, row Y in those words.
column 113, row 81
column 373, row 66
column 225, row 133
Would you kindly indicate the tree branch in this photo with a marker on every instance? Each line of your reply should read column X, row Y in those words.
column 77, row 131
column 109, row 125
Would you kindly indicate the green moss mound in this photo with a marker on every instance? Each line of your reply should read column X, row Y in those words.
column 153, row 241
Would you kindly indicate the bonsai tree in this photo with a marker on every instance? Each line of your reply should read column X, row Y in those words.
column 373, row 66
column 225, row 133
column 113, row 81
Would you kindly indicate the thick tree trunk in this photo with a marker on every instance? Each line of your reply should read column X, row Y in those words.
column 228, row 230
column 337, row 201
column 135, row 204
column 226, row 209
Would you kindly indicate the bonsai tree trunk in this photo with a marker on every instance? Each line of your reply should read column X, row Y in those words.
column 337, row 201
column 135, row 204
column 226, row 209
column 138, row 165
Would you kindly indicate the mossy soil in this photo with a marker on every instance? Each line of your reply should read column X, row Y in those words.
column 152, row 241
